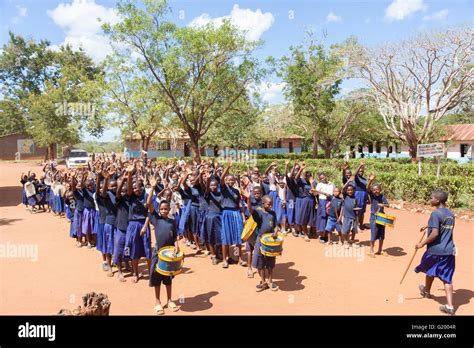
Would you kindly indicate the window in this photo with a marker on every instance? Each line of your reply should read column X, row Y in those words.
column 278, row 144
column 163, row 145
column 264, row 145
column 360, row 148
column 463, row 149
column 390, row 149
column 371, row 148
column 397, row 148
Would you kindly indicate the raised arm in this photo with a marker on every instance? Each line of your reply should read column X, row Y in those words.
column 270, row 167
column 130, row 169
column 225, row 172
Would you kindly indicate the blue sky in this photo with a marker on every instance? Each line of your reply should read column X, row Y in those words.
column 279, row 23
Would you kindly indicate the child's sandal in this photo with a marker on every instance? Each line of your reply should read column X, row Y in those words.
column 171, row 305
column 159, row 310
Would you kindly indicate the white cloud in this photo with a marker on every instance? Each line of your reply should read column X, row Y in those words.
column 437, row 16
column 21, row 12
column 82, row 20
column 271, row 91
column 332, row 17
column 400, row 9
column 253, row 23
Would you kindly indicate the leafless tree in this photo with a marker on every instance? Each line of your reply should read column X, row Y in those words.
column 417, row 81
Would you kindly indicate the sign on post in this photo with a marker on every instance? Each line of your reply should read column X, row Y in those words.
column 430, row 150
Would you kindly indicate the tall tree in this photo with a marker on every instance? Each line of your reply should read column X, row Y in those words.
column 201, row 71
column 134, row 100
column 312, row 85
column 416, row 82
column 49, row 90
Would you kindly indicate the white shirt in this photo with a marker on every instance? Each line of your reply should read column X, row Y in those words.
column 328, row 189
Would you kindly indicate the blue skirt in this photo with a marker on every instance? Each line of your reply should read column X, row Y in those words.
column 184, row 219
column 88, row 221
column 32, row 201
column 137, row 246
column 119, row 246
column 51, row 200
column 108, row 239
column 321, row 216
column 304, row 211
column 47, row 195
column 280, row 212
column 212, row 226
column 362, row 198
column 24, row 200
column 77, row 223
column 196, row 217
column 99, row 230
column 232, row 226
column 58, row 204
column 290, row 211
column 440, row 266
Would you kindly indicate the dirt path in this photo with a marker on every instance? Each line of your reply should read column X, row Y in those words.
column 312, row 279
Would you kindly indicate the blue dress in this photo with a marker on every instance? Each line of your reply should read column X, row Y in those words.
column 232, row 223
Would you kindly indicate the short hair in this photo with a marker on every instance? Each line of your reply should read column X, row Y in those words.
column 266, row 198
column 163, row 202
column 257, row 187
column 374, row 185
column 441, row 196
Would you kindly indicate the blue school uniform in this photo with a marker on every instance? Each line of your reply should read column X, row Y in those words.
column 24, row 199
column 212, row 220
column 155, row 201
column 291, row 194
column 361, row 193
column 197, row 210
column 266, row 223
column 334, row 211
column 165, row 235
column 439, row 257
column 137, row 246
column 89, row 214
column 231, row 220
column 100, row 223
column 376, row 231
column 184, row 218
column 121, row 223
column 78, row 212
column 304, row 213
column 69, row 205
column 349, row 223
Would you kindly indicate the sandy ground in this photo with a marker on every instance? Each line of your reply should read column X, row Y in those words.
column 312, row 279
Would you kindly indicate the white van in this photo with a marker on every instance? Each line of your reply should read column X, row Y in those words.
column 77, row 159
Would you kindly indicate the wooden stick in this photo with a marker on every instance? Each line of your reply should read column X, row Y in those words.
column 409, row 264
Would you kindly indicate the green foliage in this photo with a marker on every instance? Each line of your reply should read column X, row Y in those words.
column 201, row 71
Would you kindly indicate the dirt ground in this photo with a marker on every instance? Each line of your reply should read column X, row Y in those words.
column 312, row 280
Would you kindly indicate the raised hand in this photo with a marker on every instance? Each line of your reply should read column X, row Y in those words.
column 130, row 168
column 372, row 176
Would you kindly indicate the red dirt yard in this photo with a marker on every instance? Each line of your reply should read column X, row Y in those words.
column 313, row 280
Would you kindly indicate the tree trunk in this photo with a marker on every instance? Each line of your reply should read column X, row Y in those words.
column 327, row 152
column 315, row 144
column 196, row 150
column 145, row 143
column 50, row 152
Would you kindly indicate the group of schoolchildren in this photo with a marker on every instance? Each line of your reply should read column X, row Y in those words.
column 124, row 208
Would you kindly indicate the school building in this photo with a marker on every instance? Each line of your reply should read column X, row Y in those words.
column 459, row 143
column 176, row 143
column 19, row 146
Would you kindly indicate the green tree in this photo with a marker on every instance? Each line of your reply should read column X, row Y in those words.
column 312, row 85
column 134, row 100
column 51, row 91
column 201, row 71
